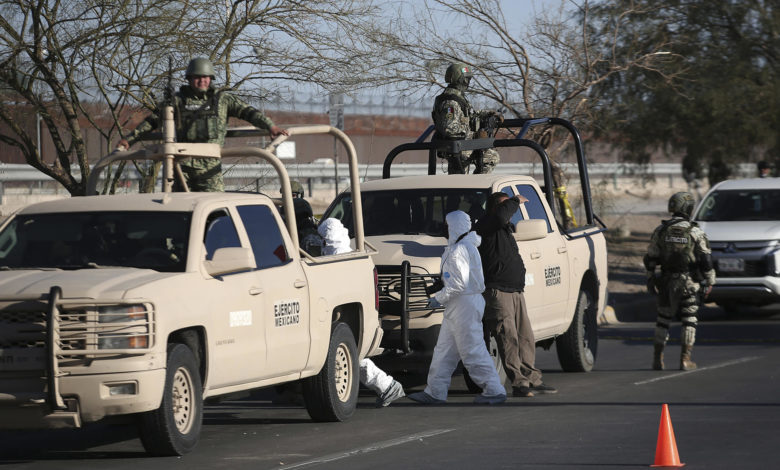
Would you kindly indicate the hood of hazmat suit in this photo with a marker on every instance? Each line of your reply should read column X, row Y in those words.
column 461, row 265
column 335, row 237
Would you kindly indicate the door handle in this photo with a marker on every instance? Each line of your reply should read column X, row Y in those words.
column 536, row 255
column 299, row 283
column 255, row 290
column 562, row 249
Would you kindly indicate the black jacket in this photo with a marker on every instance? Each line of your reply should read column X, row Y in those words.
column 502, row 264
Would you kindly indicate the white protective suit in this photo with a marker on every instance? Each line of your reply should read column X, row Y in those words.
column 335, row 237
column 335, row 240
column 461, row 337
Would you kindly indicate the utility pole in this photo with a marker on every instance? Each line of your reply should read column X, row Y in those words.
column 336, row 114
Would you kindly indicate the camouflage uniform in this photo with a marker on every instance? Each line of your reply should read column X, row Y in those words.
column 203, row 117
column 683, row 252
column 455, row 119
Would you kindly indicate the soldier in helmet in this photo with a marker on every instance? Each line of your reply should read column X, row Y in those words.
column 455, row 119
column 681, row 249
column 201, row 113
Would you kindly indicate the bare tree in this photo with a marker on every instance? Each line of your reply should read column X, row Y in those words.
column 550, row 69
column 69, row 61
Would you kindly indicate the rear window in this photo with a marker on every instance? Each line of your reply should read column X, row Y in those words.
column 413, row 211
column 740, row 205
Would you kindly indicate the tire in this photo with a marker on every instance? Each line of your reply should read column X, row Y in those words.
column 174, row 428
column 577, row 348
column 493, row 350
column 332, row 394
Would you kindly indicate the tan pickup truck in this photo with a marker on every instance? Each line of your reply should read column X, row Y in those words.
column 566, row 270
column 147, row 304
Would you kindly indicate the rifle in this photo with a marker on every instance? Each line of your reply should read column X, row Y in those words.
column 487, row 130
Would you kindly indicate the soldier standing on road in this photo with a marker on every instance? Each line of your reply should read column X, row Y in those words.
column 455, row 119
column 682, row 251
column 201, row 114
column 506, row 316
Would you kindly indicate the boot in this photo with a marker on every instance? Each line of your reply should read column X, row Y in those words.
column 658, row 356
column 685, row 358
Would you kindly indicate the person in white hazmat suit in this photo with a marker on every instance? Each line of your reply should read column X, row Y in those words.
column 335, row 240
column 461, row 337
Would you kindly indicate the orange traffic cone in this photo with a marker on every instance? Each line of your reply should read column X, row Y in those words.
column 666, row 449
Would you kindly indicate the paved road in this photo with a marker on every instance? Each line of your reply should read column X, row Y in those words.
column 724, row 415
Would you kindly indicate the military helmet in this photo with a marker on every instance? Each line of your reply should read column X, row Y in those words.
column 200, row 66
column 681, row 204
column 458, row 73
column 296, row 189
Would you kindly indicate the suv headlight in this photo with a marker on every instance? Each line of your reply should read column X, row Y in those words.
column 774, row 263
column 124, row 327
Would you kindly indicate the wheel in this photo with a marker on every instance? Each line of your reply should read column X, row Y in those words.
column 174, row 428
column 493, row 349
column 577, row 347
column 331, row 395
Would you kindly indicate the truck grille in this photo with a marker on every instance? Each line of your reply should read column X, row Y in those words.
column 83, row 333
column 27, row 330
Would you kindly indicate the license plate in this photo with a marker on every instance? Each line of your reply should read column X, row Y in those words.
column 731, row 265
column 22, row 359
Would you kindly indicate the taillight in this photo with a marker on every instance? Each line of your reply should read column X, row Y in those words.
column 376, row 289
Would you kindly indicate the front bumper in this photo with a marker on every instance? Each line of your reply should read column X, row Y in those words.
column 86, row 398
column 748, row 290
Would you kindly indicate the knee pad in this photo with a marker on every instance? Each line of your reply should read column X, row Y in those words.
column 688, row 335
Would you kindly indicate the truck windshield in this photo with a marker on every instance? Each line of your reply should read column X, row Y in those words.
column 79, row 240
column 410, row 211
column 740, row 205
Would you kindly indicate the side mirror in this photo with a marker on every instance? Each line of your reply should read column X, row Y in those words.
column 533, row 229
column 230, row 260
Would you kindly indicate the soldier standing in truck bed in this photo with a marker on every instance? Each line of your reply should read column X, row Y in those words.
column 201, row 114
column 455, row 119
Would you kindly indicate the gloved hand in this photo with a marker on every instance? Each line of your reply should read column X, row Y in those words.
column 433, row 303
column 651, row 289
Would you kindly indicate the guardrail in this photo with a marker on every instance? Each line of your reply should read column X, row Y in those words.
column 26, row 173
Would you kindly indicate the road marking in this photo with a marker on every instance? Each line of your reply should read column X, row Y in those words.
column 716, row 366
column 367, row 449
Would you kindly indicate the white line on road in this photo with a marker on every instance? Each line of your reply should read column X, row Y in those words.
column 700, row 369
column 367, row 449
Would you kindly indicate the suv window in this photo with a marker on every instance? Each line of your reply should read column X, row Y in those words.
column 409, row 211
column 264, row 235
column 220, row 233
column 740, row 205
column 534, row 205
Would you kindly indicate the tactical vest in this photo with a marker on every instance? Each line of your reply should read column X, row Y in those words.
column 198, row 120
column 677, row 252
column 448, row 96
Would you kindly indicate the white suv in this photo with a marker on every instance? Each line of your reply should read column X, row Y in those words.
column 742, row 221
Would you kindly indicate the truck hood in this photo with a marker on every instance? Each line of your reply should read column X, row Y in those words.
column 420, row 250
column 741, row 231
column 83, row 283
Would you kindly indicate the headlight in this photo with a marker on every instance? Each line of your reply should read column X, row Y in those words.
column 123, row 327
column 774, row 263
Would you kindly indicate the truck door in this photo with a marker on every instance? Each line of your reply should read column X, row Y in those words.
column 284, row 292
column 552, row 261
column 235, row 329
